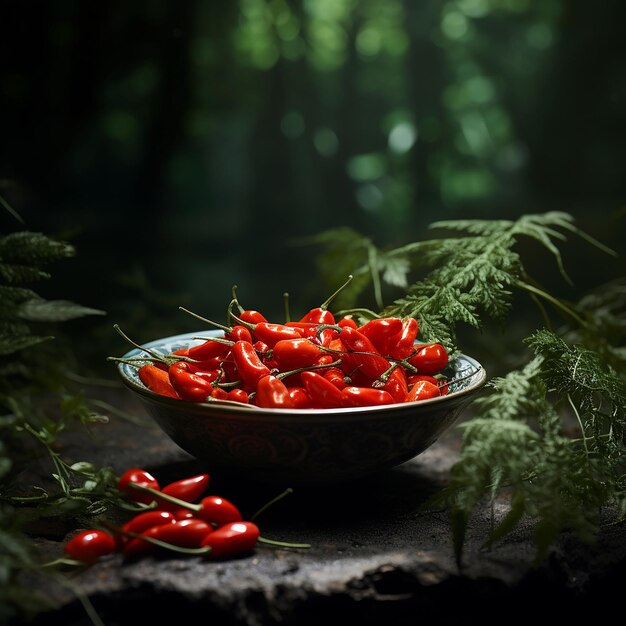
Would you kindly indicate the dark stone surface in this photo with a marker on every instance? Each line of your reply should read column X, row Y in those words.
column 376, row 557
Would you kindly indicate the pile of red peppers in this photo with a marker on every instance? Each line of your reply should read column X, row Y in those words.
column 317, row 362
column 170, row 518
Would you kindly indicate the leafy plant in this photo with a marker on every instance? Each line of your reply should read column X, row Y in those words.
column 37, row 404
column 519, row 442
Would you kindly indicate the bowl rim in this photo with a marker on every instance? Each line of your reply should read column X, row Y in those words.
column 240, row 409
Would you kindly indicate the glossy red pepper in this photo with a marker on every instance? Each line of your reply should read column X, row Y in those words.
column 218, row 511
column 318, row 315
column 189, row 386
column 233, row 539
column 290, row 354
column 402, row 345
column 423, row 390
column 324, row 394
column 272, row 333
column 300, row 397
column 209, row 349
column 429, row 358
column 185, row 533
column 89, row 545
column 139, row 477
column 249, row 366
column 187, row 489
column 238, row 395
column 252, row 317
column 441, row 383
column 371, row 363
column 347, row 321
column 239, row 333
column 148, row 519
column 397, row 385
column 157, row 380
column 380, row 331
column 336, row 377
column 271, row 392
column 365, row 396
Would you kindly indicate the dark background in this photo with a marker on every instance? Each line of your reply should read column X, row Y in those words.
column 183, row 147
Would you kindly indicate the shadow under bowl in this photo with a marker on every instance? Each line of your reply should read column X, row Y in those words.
column 303, row 446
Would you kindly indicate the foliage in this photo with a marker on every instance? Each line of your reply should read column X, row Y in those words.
column 517, row 445
column 467, row 277
column 36, row 406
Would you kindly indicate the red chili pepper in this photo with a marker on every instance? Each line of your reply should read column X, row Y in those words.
column 397, row 385
column 217, row 393
column 214, row 363
column 429, row 358
column 422, row 390
column 186, row 533
column 380, row 331
column 187, row 489
column 371, row 364
column 324, row 394
column 218, row 511
column 403, row 344
column 440, row 382
column 239, row 333
column 146, row 520
column 89, row 545
column 238, row 395
column 272, row 333
column 300, row 397
column 336, row 377
column 181, row 352
column 365, row 396
column 318, row 316
column 271, row 392
column 189, row 386
column 347, row 321
column 249, row 366
column 291, row 354
column 157, row 380
column 209, row 349
column 139, row 477
column 252, row 317
column 232, row 539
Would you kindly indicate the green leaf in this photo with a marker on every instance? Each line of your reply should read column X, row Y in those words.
column 10, row 344
column 53, row 311
column 20, row 274
column 29, row 248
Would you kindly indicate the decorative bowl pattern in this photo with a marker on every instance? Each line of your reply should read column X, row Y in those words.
column 305, row 445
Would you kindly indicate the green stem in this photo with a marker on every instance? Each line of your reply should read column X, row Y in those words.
column 267, row 505
column 155, row 355
column 555, row 301
column 226, row 329
column 283, row 544
column 286, row 307
column 330, row 298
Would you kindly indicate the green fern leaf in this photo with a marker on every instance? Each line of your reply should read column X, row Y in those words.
column 53, row 311
column 28, row 248
column 9, row 344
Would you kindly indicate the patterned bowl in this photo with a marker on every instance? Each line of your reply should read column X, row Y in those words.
column 303, row 445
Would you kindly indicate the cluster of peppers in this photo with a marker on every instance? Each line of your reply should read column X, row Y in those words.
column 170, row 518
column 316, row 362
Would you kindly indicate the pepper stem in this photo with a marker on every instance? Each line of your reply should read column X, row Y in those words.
column 286, row 307
column 155, row 355
column 226, row 329
column 234, row 300
column 248, row 325
column 283, row 544
column 330, row 298
column 267, row 505
column 281, row 375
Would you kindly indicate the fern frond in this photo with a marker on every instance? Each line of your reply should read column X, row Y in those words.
column 28, row 248
column 21, row 274
column 39, row 310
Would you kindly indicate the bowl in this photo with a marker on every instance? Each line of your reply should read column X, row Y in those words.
column 302, row 445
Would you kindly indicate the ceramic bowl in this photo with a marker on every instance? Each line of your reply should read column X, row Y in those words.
column 303, row 445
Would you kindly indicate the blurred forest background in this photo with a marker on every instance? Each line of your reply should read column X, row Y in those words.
column 184, row 147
